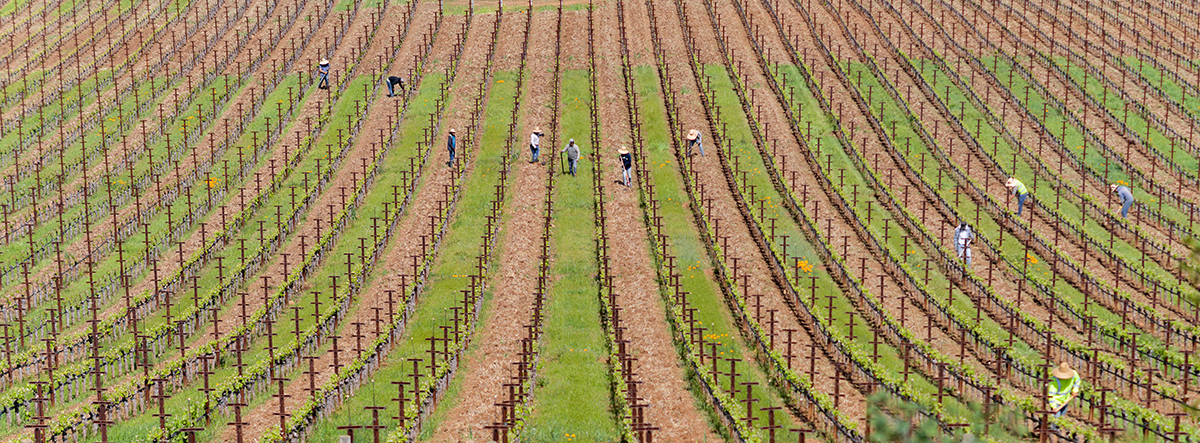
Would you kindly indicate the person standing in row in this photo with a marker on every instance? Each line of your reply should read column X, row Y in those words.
column 451, row 144
column 391, row 82
column 693, row 141
column 1019, row 190
column 323, row 72
column 962, row 242
column 626, row 166
column 535, row 143
column 572, row 151
column 1126, row 196
column 1062, row 387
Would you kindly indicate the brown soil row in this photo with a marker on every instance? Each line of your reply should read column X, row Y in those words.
column 943, row 337
column 488, row 365
column 674, row 409
column 741, row 243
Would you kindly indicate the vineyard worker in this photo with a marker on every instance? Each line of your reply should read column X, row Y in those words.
column 693, row 139
column 572, row 151
column 535, row 143
column 962, row 242
column 1126, row 196
column 392, row 81
column 1062, row 388
column 1019, row 190
column 626, row 165
column 451, row 143
column 323, row 71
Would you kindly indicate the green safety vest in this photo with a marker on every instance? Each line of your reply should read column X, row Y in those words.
column 1060, row 390
column 1021, row 189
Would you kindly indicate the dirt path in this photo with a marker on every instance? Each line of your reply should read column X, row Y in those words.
column 513, row 287
column 679, row 415
column 853, row 402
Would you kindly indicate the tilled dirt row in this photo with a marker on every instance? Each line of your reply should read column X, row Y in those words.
column 674, row 409
column 943, row 337
column 741, row 243
column 489, row 365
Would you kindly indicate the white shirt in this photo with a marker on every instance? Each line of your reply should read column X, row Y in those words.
column 534, row 139
column 963, row 236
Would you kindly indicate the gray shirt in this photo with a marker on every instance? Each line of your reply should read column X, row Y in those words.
column 572, row 151
column 1125, row 193
column 962, row 236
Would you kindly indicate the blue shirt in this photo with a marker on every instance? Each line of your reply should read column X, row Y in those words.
column 1125, row 193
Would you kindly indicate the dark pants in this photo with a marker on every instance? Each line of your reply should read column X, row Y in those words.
column 324, row 84
column 1021, row 202
column 452, row 155
column 1125, row 209
column 572, row 162
column 391, row 84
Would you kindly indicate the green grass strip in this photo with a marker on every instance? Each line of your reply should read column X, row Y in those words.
column 571, row 395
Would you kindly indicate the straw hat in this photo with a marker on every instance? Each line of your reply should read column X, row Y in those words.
column 451, row 130
column 1012, row 181
column 324, row 61
column 692, row 134
column 623, row 150
column 537, row 129
column 1112, row 187
column 1063, row 371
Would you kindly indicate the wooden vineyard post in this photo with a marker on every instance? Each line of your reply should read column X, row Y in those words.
column 281, row 397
